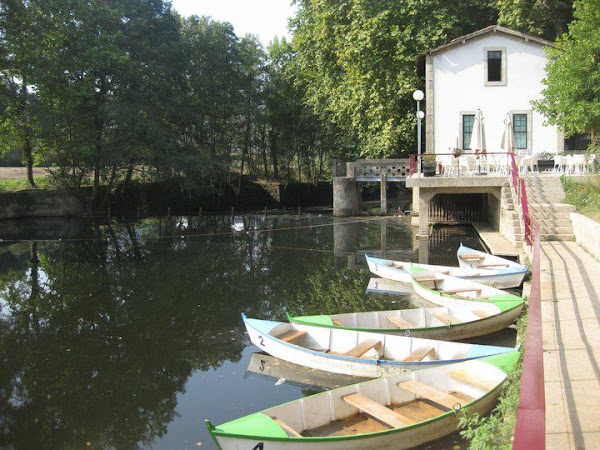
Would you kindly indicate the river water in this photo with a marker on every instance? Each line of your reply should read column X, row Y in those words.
column 129, row 335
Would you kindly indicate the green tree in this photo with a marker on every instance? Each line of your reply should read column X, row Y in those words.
column 545, row 18
column 16, row 96
column 571, row 98
column 358, row 59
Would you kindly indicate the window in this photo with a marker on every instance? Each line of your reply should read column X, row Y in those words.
column 578, row 142
column 494, row 66
column 467, row 130
column 520, row 129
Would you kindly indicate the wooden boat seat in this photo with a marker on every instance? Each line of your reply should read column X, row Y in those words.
column 448, row 319
column 492, row 265
column 419, row 354
column 456, row 291
column 362, row 348
column 459, row 355
column 382, row 413
column 430, row 393
column 337, row 323
column 423, row 279
column 466, row 377
column 469, row 257
column 291, row 335
column 289, row 430
column 401, row 322
column 479, row 313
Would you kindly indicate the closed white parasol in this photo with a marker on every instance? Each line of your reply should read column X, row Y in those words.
column 508, row 137
column 478, row 134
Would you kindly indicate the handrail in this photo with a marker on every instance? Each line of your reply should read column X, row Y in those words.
column 530, row 430
column 521, row 194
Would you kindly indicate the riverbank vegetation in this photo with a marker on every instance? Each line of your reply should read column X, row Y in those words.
column 97, row 89
column 584, row 194
column 497, row 429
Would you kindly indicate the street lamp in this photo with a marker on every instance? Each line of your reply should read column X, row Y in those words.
column 418, row 96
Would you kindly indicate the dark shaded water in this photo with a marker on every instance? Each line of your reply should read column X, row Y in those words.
column 129, row 335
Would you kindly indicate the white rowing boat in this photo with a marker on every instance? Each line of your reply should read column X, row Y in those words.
column 360, row 354
column 443, row 290
column 458, row 319
column 277, row 369
column 499, row 277
column 397, row 412
column 469, row 258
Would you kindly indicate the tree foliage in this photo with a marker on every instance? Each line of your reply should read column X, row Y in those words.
column 545, row 18
column 571, row 97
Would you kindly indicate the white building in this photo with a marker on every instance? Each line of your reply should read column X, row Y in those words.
column 497, row 70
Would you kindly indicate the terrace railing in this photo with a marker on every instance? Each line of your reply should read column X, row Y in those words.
column 484, row 163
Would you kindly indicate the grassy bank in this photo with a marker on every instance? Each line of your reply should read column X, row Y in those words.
column 584, row 194
column 19, row 185
column 497, row 429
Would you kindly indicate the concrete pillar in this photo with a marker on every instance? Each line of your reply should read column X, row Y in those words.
column 383, row 234
column 424, row 251
column 424, row 198
column 383, row 194
column 346, row 237
column 346, row 198
column 429, row 130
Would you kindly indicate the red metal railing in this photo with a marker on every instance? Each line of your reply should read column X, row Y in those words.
column 530, row 431
column 521, row 194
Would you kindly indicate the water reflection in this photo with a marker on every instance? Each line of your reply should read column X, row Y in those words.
column 129, row 334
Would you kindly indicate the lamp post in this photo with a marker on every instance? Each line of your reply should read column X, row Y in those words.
column 418, row 96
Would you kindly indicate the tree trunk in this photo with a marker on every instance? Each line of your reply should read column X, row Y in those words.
column 274, row 139
column 244, row 152
column 27, row 138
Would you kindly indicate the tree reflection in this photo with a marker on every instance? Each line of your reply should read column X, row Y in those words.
column 97, row 337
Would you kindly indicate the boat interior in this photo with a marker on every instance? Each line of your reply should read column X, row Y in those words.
column 370, row 345
column 413, row 318
column 384, row 404
column 454, row 287
column 484, row 262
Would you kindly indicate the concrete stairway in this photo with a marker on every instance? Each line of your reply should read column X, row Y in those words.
column 545, row 196
column 510, row 220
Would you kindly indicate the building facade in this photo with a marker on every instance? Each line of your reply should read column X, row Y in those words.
column 498, row 71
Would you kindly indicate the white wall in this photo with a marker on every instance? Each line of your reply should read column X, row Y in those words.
column 458, row 85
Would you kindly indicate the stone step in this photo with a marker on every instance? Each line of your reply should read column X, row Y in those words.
column 555, row 230
column 551, row 221
column 550, row 206
column 557, row 237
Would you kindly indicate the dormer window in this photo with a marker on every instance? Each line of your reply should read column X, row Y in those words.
column 495, row 67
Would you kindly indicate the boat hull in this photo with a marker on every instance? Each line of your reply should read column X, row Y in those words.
column 396, row 439
column 364, row 367
column 309, row 414
column 486, row 277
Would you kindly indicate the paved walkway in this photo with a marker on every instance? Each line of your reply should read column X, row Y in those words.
column 570, row 288
column 495, row 241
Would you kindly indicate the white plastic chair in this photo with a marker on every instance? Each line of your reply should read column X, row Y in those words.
column 578, row 163
column 559, row 164
column 524, row 164
column 467, row 164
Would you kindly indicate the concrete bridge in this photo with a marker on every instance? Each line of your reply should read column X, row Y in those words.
column 346, row 192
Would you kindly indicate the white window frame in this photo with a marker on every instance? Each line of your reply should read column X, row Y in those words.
column 460, row 128
column 527, row 112
column 502, row 82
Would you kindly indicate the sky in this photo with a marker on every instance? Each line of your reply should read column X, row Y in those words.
column 264, row 18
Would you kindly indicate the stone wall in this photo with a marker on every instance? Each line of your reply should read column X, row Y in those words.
column 587, row 233
column 39, row 203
